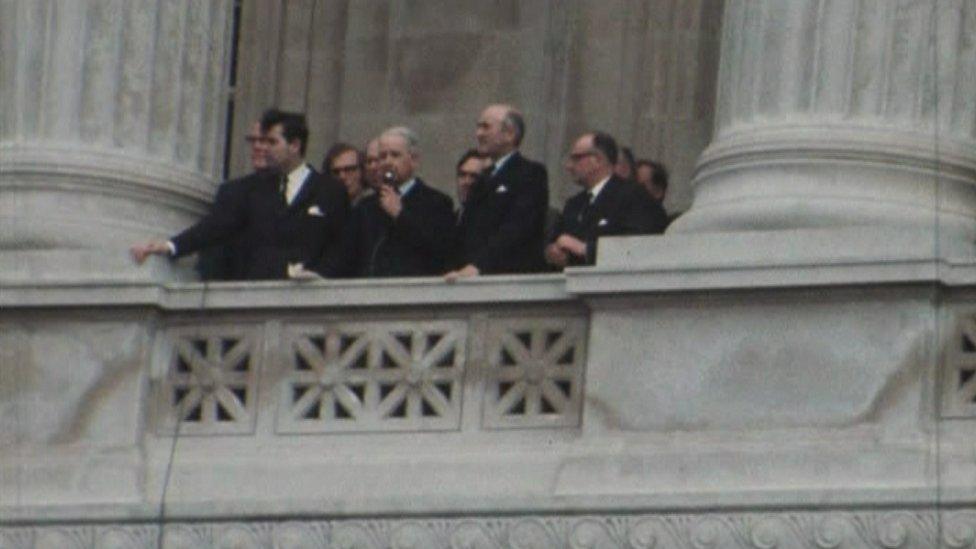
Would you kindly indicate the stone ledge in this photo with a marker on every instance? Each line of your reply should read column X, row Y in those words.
column 774, row 259
column 284, row 294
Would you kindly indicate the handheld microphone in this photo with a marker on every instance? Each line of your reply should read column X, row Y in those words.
column 389, row 177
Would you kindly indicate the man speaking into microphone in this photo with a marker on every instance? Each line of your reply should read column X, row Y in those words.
column 405, row 228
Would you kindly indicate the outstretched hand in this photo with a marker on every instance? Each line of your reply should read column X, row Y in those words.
column 140, row 252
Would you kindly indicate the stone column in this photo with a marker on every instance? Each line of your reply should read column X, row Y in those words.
column 842, row 113
column 113, row 119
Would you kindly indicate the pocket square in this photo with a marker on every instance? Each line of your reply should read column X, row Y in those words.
column 501, row 189
column 602, row 223
column 314, row 210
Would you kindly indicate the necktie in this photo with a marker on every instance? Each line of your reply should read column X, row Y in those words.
column 585, row 210
column 283, row 189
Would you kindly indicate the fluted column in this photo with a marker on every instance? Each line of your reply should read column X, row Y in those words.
column 113, row 118
column 838, row 113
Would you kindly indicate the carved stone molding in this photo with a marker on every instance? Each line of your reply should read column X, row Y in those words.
column 894, row 529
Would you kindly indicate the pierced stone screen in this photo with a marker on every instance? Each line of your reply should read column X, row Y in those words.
column 372, row 376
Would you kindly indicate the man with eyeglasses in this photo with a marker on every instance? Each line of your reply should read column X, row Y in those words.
column 607, row 205
column 345, row 163
column 225, row 261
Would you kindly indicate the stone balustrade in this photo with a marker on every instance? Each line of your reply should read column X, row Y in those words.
column 714, row 399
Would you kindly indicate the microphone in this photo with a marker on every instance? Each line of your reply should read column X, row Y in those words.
column 389, row 177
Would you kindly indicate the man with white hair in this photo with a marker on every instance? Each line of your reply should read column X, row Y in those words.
column 405, row 227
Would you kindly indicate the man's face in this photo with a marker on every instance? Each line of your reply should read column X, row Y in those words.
column 257, row 148
column 467, row 173
column 395, row 157
column 622, row 168
column 281, row 154
column 494, row 139
column 645, row 177
column 582, row 163
column 345, row 168
column 373, row 178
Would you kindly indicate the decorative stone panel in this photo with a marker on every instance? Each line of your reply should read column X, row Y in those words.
column 890, row 529
column 959, row 396
column 373, row 376
column 210, row 383
column 535, row 373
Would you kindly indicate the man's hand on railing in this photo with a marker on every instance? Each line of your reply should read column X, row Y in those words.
column 140, row 252
column 467, row 271
column 556, row 256
column 297, row 271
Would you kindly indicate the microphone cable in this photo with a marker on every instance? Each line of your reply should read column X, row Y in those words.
column 180, row 416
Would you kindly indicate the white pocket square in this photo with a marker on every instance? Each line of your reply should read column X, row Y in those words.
column 314, row 210
column 602, row 223
column 501, row 189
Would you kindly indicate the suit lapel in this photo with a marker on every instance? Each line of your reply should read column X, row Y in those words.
column 488, row 185
column 415, row 192
column 602, row 202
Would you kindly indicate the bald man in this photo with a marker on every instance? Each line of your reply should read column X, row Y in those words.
column 502, row 227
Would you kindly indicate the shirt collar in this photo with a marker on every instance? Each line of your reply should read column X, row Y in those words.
column 595, row 191
column 298, row 174
column 294, row 181
column 407, row 185
column 500, row 163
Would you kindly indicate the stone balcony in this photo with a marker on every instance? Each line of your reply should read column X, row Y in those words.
column 772, row 398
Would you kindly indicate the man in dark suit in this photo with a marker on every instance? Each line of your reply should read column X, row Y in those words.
column 405, row 228
column 225, row 261
column 289, row 216
column 607, row 205
column 502, row 227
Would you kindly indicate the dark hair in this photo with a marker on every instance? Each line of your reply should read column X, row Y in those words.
column 339, row 149
column 468, row 154
column 628, row 157
column 513, row 119
column 293, row 125
column 659, row 174
column 606, row 144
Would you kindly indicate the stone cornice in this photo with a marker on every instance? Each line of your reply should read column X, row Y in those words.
column 109, row 172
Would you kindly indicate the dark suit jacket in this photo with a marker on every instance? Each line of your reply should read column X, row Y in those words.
column 417, row 243
column 306, row 231
column 621, row 208
column 502, row 226
column 223, row 261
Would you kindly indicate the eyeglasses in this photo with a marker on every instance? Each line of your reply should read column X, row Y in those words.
column 576, row 157
column 338, row 170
